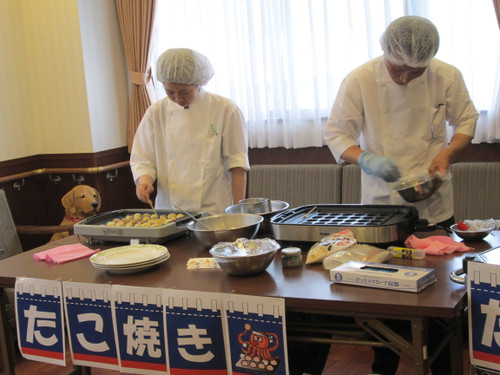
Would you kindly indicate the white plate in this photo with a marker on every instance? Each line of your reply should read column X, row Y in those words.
column 133, row 269
column 132, row 255
column 135, row 265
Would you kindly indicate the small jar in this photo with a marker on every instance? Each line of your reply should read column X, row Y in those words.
column 291, row 257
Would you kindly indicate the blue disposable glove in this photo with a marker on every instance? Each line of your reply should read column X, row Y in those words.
column 379, row 166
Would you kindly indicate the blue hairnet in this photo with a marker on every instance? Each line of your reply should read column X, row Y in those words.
column 411, row 41
column 183, row 65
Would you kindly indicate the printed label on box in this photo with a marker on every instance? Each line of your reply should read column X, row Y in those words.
column 384, row 276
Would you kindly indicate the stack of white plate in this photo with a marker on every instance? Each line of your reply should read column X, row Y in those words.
column 129, row 259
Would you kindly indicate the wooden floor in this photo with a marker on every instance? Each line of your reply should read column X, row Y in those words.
column 343, row 360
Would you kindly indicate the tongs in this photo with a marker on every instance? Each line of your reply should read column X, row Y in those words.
column 191, row 216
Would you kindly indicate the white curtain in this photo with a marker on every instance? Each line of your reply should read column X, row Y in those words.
column 282, row 61
column 494, row 118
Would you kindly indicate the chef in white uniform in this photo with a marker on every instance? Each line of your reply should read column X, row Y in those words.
column 193, row 143
column 397, row 107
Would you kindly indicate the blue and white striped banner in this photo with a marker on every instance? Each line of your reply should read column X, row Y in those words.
column 255, row 333
column 89, row 320
column 151, row 330
column 483, row 291
column 39, row 318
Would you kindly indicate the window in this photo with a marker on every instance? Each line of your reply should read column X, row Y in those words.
column 282, row 61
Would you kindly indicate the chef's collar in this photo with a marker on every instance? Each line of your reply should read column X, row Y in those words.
column 201, row 93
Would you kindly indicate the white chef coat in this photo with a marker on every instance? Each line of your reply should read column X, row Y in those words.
column 189, row 151
column 406, row 123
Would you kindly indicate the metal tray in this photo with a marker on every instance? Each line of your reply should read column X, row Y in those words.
column 95, row 228
column 369, row 223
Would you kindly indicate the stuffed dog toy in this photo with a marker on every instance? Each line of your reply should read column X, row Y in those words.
column 79, row 203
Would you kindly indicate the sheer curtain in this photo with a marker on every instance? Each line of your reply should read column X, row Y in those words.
column 494, row 118
column 282, row 61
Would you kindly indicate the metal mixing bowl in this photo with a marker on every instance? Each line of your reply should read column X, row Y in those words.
column 241, row 261
column 265, row 227
column 225, row 228
column 255, row 205
column 418, row 189
column 471, row 235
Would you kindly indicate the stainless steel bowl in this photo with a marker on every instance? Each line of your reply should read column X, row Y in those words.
column 470, row 235
column 225, row 228
column 265, row 227
column 418, row 189
column 255, row 205
column 245, row 261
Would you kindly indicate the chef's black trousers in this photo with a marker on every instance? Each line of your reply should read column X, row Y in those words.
column 306, row 356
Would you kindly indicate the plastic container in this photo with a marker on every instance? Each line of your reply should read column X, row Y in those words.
column 291, row 257
column 406, row 252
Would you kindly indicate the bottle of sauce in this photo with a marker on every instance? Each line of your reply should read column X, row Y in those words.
column 291, row 257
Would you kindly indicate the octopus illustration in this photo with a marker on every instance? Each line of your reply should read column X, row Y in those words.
column 260, row 344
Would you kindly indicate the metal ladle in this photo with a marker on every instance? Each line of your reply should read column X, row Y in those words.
column 176, row 207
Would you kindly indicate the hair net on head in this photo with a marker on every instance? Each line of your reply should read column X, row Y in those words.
column 183, row 65
column 411, row 41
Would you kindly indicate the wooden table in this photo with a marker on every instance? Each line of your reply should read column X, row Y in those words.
column 306, row 289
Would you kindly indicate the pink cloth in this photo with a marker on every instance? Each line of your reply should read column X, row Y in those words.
column 436, row 245
column 65, row 253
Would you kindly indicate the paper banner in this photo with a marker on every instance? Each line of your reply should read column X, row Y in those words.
column 89, row 321
column 140, row 329
column 39, row 317
column 255, row 335
column 151, row 330
column 483, row 293
column 194, row 333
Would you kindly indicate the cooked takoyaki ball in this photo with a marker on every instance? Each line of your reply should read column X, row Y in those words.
column 144, row 220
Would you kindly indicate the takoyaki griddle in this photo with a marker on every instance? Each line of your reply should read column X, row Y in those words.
column 95, row 228
column 371, row 224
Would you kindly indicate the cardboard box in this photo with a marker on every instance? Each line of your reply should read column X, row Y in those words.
column 385, row 276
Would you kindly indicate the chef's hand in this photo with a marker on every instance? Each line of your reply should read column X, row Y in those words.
column 441, row 162
column 144, row 188
column 439, row 165
column 379, row 166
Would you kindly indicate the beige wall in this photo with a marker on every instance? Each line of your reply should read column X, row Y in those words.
column 64, row 80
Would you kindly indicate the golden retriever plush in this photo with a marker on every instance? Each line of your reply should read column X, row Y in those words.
column 79, row 203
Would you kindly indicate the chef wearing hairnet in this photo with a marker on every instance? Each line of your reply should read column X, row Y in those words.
column 193, row 143
column 397, row 107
